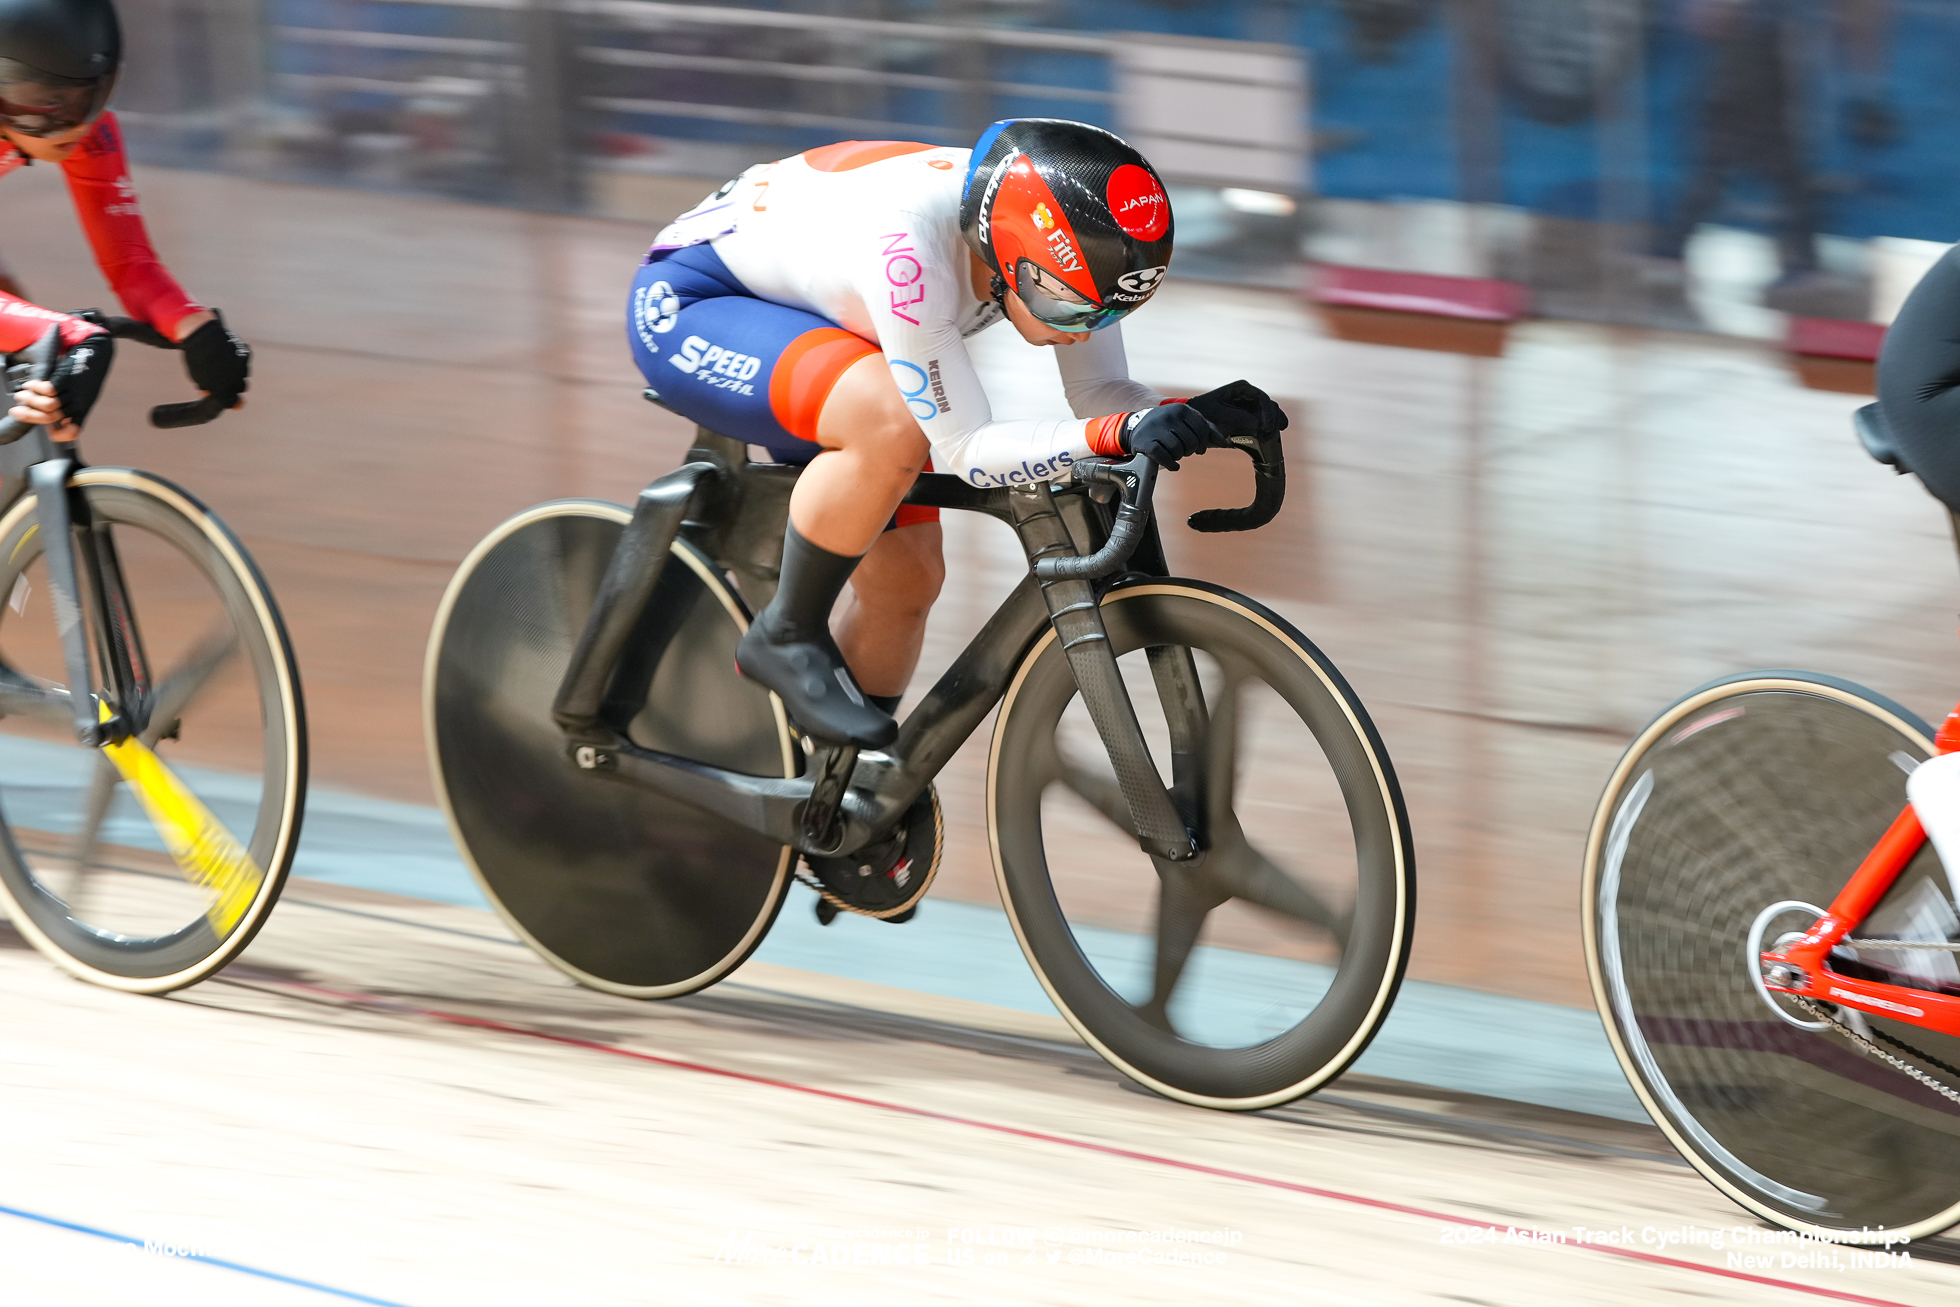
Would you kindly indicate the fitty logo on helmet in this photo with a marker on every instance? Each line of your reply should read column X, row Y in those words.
column 1139, row 204
column 1043, row 218
column 1136, row 287
column 1064, row 250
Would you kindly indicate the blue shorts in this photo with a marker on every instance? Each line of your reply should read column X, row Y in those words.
column 745, row 367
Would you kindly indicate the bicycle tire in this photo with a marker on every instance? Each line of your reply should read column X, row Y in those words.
column 89, row 879
column 1737, row 808
column 622, row 889
column 1201, row 1042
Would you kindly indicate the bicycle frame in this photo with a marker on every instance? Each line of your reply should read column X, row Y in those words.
column 1806, row 961
column 734, row 511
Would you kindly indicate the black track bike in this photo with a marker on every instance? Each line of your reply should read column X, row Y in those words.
column 152, row 736
column 1195, row 828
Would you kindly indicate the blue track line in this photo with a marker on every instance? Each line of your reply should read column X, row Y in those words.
column 218, row 1262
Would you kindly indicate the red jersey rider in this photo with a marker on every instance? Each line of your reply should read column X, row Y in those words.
column 58, row 64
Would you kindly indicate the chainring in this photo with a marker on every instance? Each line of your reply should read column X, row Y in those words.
column 885, row 879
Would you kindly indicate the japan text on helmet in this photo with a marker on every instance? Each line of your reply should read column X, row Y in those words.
column 58, row 62
column 1069, row 218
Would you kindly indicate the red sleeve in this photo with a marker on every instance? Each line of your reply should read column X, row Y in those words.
column 98, row 178
column 21, row 324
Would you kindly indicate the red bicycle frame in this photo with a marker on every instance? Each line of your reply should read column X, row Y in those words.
column 1806, row 961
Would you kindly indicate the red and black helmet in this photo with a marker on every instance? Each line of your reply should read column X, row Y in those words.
column 1069, row 218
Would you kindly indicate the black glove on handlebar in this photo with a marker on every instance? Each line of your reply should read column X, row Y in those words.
column 218, row 361
column 79, row 376
column 1240, row 409
column 1170, row 432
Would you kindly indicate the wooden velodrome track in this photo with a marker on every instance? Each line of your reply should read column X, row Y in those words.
column 1516, row 561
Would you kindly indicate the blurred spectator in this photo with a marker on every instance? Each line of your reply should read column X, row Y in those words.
column 1869, row 118
column 1748, row 115
column 1376, row 27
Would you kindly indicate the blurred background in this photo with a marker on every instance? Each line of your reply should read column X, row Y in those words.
column 1701, row 164
column 1570, row 303
column 1638, row 249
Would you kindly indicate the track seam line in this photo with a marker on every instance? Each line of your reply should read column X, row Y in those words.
column 1065, row 1141
column 218, row 1262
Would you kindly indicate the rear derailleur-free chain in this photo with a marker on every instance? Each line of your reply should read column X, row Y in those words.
column 1825, row 1014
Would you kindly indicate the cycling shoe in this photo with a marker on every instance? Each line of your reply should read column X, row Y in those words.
column 816, row 687
column 789, row 649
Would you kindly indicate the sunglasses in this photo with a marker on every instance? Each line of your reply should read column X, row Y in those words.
column 1057, row 304
column 34, row 103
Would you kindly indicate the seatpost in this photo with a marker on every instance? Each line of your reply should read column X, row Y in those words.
column 1074, row 610
column 628, row 584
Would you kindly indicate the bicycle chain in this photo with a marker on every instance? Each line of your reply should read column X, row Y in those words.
column 799, row 870
column 1899, row 946
column 1897, row 1063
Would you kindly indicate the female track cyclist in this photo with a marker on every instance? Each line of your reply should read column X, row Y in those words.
column 818, row 306
column 58, row 64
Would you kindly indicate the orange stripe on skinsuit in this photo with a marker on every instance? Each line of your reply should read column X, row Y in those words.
column 805, row 373
column 846, row 155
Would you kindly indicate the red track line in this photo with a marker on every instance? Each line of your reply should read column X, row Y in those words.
column 1087, row 1146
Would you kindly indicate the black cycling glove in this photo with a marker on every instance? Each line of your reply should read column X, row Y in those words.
column 79, row 376
column 218, row 361
column 1240, row 409
column 1170, row 432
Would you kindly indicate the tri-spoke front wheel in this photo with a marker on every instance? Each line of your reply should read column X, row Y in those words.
column 148, row 864
column 1258, row 971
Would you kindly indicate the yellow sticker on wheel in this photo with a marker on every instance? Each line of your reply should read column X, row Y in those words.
column 203, row 849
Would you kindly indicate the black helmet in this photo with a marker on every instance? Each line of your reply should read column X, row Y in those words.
column 1069, row 217
column 58, row 63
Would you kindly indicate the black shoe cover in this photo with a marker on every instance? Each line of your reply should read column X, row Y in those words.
column 790, row 650
column 817, row 689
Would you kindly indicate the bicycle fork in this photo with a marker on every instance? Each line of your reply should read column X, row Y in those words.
column 1075, row 611
column 58, row 513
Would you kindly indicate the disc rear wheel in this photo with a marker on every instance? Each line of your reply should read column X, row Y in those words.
column 1733, row 820
column 621, row 888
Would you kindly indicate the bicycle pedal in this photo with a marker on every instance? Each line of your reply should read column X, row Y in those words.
column 826, row 911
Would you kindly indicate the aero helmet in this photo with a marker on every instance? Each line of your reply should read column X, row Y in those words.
column 58, row 62
column 1069, row 218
